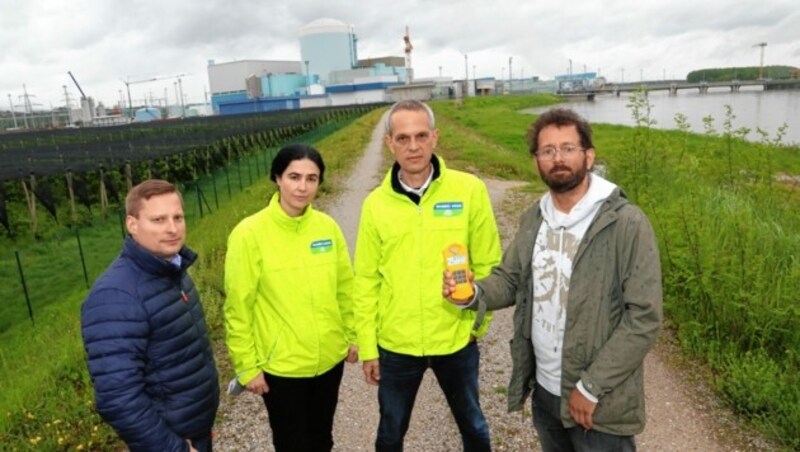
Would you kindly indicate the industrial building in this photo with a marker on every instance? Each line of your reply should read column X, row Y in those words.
column 328, row 45
column 328, row 73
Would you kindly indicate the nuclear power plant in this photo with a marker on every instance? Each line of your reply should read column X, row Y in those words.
column 328, row 73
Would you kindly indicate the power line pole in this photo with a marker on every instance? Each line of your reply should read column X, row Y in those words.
column 27, row 107
column 69, row 107
column 510, row 84
column 13, row 114
column 466, row 76
column 408, row 49
column 183, row 104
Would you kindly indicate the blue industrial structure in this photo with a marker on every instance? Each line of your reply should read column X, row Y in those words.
column 280, row 85
column 353, row 87
column 147, row 114
column 258, row 105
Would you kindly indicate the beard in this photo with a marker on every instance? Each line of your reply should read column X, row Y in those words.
column 562, row 178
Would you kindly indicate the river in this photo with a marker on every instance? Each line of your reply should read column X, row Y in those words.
column 752, row 108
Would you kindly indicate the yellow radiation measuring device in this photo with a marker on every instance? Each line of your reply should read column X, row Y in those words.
column 456, row 261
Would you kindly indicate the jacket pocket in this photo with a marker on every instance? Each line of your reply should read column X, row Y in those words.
column 274, row 345
column 621, row 411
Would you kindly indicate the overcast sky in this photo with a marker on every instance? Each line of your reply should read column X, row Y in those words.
column 105, row 41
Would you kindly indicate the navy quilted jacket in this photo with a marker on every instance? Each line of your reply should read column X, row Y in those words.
column 149, row 355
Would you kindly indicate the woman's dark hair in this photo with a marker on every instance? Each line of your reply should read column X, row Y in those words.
column 292, row 152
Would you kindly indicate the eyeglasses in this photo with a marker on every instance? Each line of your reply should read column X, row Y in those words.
column 566, row 150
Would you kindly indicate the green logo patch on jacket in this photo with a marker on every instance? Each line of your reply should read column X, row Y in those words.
column 448, row 209
column 321, row 246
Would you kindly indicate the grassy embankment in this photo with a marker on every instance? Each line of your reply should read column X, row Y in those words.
column 47, row 401
column 728, row 227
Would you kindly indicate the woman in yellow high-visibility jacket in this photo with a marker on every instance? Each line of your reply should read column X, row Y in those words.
column 288, row 311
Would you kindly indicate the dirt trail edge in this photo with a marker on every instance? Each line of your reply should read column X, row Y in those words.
column 682, row 415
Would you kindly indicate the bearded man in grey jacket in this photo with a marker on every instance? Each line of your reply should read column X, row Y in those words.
column 584, row 274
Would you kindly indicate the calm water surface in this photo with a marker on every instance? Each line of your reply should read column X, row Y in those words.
column 752, row 108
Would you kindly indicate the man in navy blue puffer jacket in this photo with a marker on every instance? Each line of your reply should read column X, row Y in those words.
column 145, row 334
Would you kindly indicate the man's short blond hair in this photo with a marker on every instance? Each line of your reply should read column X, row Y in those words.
column 145, row 191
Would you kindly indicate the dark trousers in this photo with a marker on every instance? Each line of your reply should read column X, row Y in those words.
column 202, row 443
column 457, row 375
column 555, row 438
column 301, row 410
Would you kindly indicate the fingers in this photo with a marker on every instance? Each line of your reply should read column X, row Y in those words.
column 581, row 418
column 448, row 285
column 352, row 354
column 581, row 409
column 258, row 385
column 372, row 373
column 259, row 389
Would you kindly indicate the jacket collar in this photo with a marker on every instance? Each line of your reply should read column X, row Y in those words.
column 606, row 215
column 393, row 178
column 279, row 216
column 153, row 264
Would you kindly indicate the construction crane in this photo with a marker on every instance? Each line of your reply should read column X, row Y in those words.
column 408, row 49
column 761, row 64
column 83, row 96
column 87, row 105
column 128, row 84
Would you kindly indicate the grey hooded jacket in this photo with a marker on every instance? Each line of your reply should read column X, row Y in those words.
column 613, row 313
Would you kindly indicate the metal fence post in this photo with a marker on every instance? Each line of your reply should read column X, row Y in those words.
column 199, row 201
column 249, row 172
column 228, row 180
column 24, row 287
column 239, row 172
column 214, row 184
column 121, row 216
column 83, row 259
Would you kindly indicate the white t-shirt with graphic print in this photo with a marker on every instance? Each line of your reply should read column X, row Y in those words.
column 556, row 244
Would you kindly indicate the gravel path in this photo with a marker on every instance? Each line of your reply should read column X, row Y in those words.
column 682, row 414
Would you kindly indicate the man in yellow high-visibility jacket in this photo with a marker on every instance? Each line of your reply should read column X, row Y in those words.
column 403, row 324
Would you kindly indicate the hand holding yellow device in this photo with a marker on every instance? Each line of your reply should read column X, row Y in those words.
column 456, row 261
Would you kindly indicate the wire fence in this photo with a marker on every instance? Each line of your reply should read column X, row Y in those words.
column 69, row 250
column 56, row 151
column 44, row 272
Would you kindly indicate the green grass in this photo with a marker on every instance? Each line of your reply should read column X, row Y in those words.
column 487, row 135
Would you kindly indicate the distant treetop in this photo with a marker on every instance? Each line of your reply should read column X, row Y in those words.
column 742, row 73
